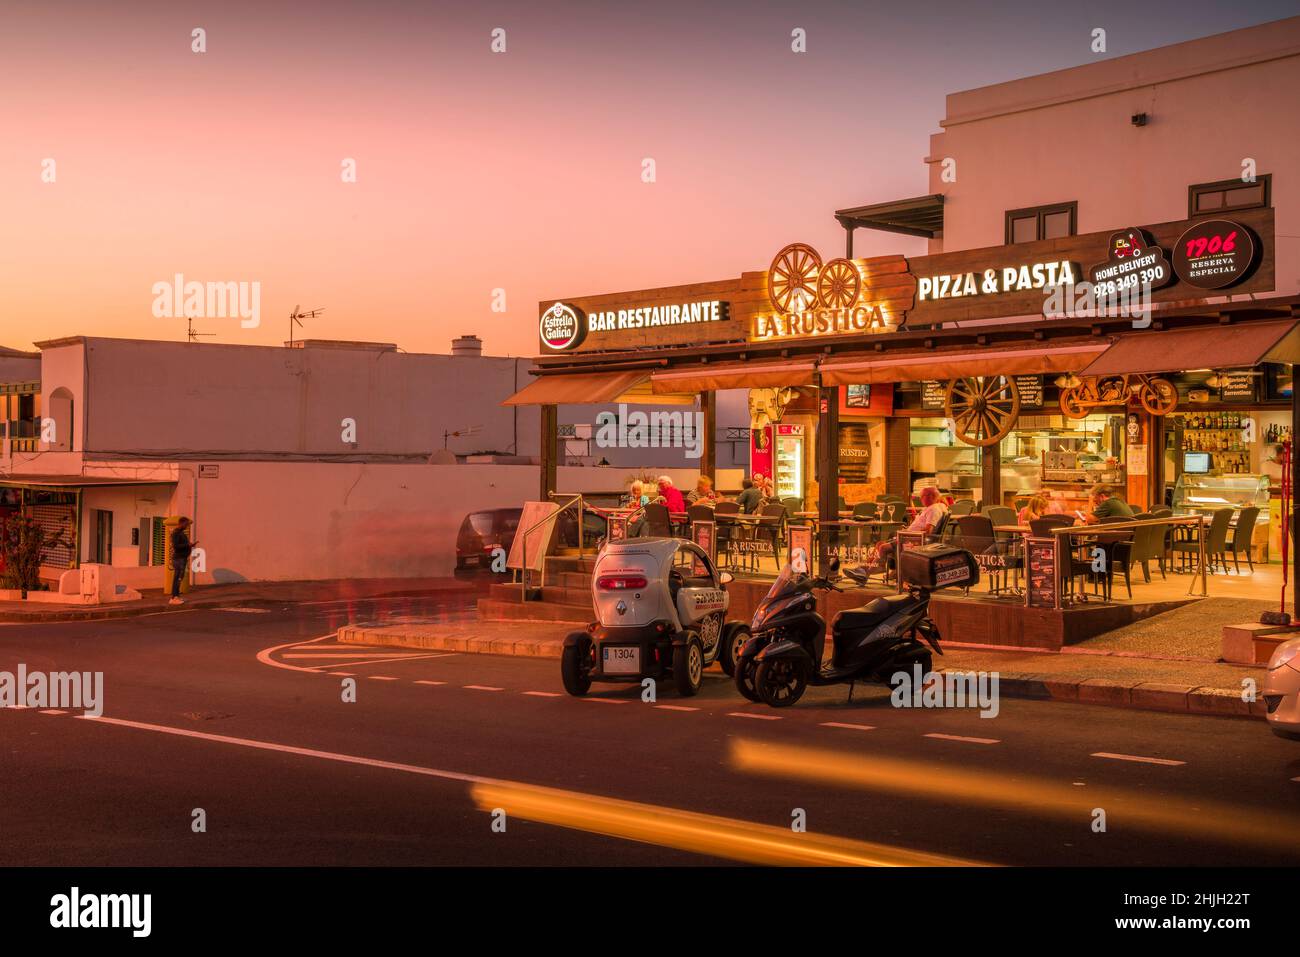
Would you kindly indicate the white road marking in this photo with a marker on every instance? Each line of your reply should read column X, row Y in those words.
column 264, row 656
column 381, row 677
column 851, row 727
column 962, row 737
column 354, row 654
column 607, row 700
column 51, row 711
column 422, row 681
column 675, row 707
column 343, row 674
column 757, row 717
column 543, row 694
column 1137, row 757
column 482, row 688
column 247, row 611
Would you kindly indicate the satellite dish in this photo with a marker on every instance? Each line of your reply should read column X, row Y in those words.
column 442, row 457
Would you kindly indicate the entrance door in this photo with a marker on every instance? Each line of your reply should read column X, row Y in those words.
column 103, row 536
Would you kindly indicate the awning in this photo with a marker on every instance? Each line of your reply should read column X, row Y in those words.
column 587, row 388
column 1205, row 347
column 917, row 216
column 950, row 365
column 735, row 375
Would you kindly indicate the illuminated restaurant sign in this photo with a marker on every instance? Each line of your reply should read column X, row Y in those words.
column 1214, row 254
column 1132, row 259
column 1012, row 278
column 650, row 317
column 812, row 298
column 562, row 327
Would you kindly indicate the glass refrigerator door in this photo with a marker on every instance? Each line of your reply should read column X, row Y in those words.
column 789, row 466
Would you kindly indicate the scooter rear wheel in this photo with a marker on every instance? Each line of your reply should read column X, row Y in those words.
column 780, row 682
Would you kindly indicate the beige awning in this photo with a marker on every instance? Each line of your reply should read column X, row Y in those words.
column 951, row 364
column 587, row 388
column 1240, row 345
column 734, row 375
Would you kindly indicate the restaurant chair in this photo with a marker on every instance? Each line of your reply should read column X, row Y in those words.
column 1002, row 515
column 866, row 510
column 656, row 522
column 699, row 513
column 729, row 530
column 792, row 505
column 896, row 512
column 963, row 506
column 1243, row 537
column 842, row 505
column 771, row 525
column 996, row 557
column 1216, row 538
column 1148, row 544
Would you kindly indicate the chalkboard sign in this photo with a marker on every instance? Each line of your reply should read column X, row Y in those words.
column 801, row 540
column 1237, row 387
column 934, row 395
column 1040, row 565
column 1031, row 391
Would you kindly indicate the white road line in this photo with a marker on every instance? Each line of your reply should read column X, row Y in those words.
column 51, row 711
column 675, row 707
column 756, row 717
column 481, row 688
column 607, row 700
column 851, row 727
column 290, row 749
column 381, row 677
column 1297, row 780
column 264, row 656
column 247, row 611
column 962, row 737
column 423, row 681
column 543, row 694
column 1137, row 757
column 343, row 674
column 354, row 654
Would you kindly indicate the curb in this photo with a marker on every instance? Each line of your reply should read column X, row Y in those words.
column 1139, row 695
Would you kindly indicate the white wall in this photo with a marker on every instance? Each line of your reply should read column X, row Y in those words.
column 284, row 521
column 1067, row 136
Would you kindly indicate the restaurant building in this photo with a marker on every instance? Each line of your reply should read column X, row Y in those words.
column 1117, row 304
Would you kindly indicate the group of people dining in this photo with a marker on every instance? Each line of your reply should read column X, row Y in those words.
column 755, row 492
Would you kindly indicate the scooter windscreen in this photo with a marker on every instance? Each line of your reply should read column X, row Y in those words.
column 785, row 582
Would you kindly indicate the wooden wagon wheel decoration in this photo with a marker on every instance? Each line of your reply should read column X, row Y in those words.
column 792, row 278
column 983, row 408
column 839, row 283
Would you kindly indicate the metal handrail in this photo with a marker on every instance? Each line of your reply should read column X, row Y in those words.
column 523, row 575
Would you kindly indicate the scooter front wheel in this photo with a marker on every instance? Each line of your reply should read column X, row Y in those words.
column 780, row 682
column 744, row 677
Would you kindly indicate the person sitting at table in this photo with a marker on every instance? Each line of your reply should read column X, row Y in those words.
column 1035, row 508
column 933, row 508
column 703, row 493
column 634, row 495
column 750, row 497
column 671, row 495
column 1106, row 504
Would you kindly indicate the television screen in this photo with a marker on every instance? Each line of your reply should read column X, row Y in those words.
column 1198, row 462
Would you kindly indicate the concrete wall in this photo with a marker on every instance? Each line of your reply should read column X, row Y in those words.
column 191, row 399
column 20, row 368
column 283, row 521
column 1065, row 136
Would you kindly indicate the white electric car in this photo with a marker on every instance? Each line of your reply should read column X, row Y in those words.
column 1282, row 690
column 661, row 608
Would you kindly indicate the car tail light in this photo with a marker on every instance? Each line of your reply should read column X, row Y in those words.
column 620, row 582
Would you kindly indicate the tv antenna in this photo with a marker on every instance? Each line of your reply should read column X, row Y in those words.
column 459, row 433
column 193, row 334
column 297, row 316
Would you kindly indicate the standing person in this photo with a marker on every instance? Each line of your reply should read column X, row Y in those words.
column 181, row 548
column 671, row 495
column 750, row 498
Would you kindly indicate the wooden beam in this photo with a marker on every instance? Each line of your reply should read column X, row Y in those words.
column 550, row 439
column 828, row 464
column 991, row 477
column 709, row 458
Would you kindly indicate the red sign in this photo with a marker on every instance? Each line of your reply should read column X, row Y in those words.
column 1214, row 253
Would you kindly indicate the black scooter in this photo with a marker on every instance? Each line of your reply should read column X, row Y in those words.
column 870, row 643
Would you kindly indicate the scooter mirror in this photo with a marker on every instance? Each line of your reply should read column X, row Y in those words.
column 726, row 578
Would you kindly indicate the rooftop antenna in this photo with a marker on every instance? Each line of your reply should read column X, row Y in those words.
column 297, row 316
column 468, row 430
column 193, row 334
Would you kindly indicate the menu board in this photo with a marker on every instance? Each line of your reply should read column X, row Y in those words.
column 617, row 525
column 934, row 394
column 1031, row 391
column 1040, row 565
column 858, row 396
column 704, row 535
column 801, row 544
column 855, row 453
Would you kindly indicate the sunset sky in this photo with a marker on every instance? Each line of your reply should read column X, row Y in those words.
column 476, row 170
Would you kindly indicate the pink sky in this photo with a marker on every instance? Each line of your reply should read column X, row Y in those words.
column 475, row 171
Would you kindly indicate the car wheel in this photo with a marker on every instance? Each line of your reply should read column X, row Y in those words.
column 780, row 682
column 733, row 640
column 688, row 667
column 575, row 662
column 744, row 678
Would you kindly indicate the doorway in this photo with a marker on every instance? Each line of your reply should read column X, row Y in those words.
column 103, row 542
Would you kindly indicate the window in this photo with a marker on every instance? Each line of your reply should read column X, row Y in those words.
column 1042, row 222
column 1228, row 195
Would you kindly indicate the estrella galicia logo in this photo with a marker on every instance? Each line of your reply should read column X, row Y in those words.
column 563, row 327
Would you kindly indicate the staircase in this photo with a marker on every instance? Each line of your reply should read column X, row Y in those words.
column 566, row 594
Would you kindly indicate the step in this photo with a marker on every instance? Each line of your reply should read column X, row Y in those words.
column 575, row 580
column 1252, row 643
column 490, row 609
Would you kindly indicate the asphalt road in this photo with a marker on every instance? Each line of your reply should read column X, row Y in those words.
column 241, row 713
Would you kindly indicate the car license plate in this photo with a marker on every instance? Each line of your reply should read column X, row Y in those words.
column 621, row 659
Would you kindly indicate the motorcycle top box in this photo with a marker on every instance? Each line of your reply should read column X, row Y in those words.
column 661, row 607
column 938, row 566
